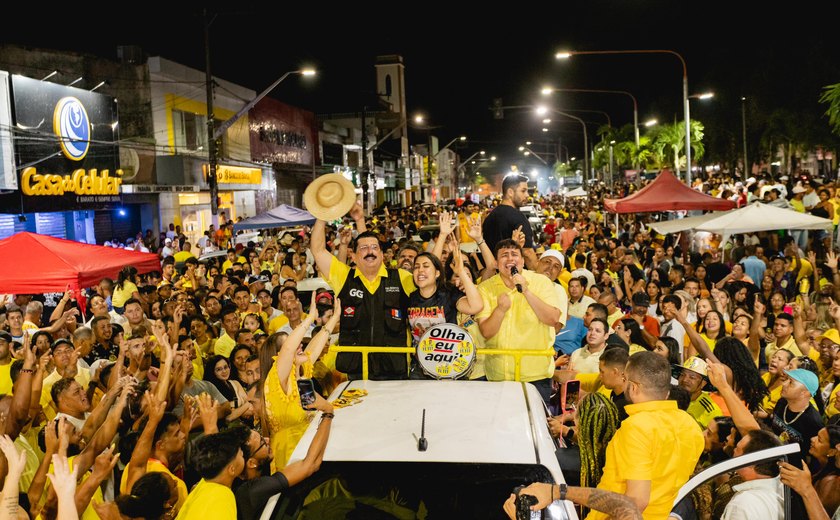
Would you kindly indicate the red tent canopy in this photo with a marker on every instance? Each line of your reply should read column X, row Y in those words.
column 31, row 263
column 666, row 193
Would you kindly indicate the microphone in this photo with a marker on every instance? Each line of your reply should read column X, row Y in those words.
column 515, row 271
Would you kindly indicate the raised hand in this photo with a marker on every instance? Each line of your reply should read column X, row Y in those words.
column 104, row 463
column 357, row 212
column 831, row 260
column 457, row 260
column 759, row 308
column 834, row 309
column 797, row 479
column 717, row 374
column 62, row 478
column 446, row 223
column 518, row 236
column 474, row 228
column 15, row 458
column 207, row 410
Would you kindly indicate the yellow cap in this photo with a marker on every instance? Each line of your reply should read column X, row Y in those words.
column 831, row 334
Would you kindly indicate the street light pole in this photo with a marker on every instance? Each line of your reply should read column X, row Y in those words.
column 624, row 92
column 744, row 133
column 211, row 131
column 585, row 141
column 569, row 54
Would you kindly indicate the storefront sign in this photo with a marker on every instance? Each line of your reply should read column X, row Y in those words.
column 235, row 174
column 66, row 148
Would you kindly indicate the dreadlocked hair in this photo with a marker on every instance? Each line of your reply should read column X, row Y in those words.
column 746, row 380
column 597, row 419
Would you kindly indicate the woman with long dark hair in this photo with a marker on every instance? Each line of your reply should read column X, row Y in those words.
column 435, row 301
column 217, row 370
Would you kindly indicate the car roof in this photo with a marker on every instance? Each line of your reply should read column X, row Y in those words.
column 466, row 421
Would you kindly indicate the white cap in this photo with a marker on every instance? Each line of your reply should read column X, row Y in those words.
column 554, row 253
column 167, row 241
column 798, row 189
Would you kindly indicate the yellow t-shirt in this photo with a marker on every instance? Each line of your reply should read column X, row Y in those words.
column 208, row 501
column 6, row 379
column 181, row 256
column 120, row 296
column 635, row 453
column 704, row 409
column 832, row 408
column 281, row 321
column 156, row 466
column 790, row 344
column 464, row 224
column 768, row 404
column 520, row 328
column 224, row 345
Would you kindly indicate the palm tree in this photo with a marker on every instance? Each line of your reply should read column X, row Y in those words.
column 669, row 143
column 831, row 96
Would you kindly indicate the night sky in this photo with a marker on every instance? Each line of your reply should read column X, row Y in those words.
column 456, row 64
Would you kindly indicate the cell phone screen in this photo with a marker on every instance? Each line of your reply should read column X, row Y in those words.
column 307, row 392
column 571, row 391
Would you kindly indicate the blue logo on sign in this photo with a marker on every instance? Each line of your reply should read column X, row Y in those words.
column 72, row 126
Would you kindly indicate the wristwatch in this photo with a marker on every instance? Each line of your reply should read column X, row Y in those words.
column 563, row 489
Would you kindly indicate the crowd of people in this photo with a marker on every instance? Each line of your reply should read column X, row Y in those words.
column 175, row 392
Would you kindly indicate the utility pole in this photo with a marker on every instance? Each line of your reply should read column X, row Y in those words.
column 364, row 172
column 211, row 128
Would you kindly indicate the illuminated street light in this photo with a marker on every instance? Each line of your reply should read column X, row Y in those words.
column 650, row 122
column 568, row 54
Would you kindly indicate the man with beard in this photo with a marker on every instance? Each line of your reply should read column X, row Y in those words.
column 405, row 259
column 506, row 217
column 374, row 303
column 258, row 485
column 103, row 347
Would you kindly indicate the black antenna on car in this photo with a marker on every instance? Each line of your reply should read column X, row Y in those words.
column 422, row 443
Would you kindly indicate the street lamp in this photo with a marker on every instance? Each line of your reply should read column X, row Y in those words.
column 650, row 122
column 569, row 54
column 548, row 90
column 541, row 110
column 217, row 132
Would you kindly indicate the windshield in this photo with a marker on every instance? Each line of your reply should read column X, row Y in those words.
column 408, row 490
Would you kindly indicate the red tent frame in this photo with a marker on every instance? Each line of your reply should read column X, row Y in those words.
column 666, row 193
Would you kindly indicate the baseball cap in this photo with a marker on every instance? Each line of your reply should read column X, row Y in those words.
column 324, row 296
column 167, row 240
column 61, row 341
column 6, row 336
column 696, row 365
column 806, row 377
column 258, row 279
column 555, row 254
column 641, row 299
column 798, row 189
column 830, row 334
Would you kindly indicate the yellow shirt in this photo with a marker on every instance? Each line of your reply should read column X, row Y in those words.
column 520, row 328
column 281, row 321
column 768, row 404
column 339, row 272
column 636, row 453
column 224, row 345
column 833, row 406
column 790, row 344
column 120, row 296
column 156, row 466
column 6, row 379
column 208, row 501
column 704, row 409
column 181, row 256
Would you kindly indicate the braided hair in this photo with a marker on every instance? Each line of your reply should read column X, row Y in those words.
column 598, row 421
column 746, row 380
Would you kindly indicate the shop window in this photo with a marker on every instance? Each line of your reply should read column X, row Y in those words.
column 190, row 131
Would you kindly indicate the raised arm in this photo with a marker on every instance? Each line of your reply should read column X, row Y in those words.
column 316, row 344
column 318, row 245
column 144, row 449
column 475, row 232
column 700, row 347
column 741, row 416
column 471, row 303
column 298, row 471
column 286, row 356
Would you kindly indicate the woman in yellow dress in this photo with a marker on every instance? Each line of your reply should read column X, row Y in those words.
column 287, row 419
column 773, row 378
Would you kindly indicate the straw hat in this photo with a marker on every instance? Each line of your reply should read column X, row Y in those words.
column 329, row 196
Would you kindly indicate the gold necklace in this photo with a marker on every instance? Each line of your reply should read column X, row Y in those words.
column 784, row 415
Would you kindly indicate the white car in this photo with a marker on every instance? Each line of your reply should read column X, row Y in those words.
column 483, row 439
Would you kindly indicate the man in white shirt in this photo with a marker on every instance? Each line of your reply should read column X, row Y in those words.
column 761, row 493
column 671, row 327
column 586, row 360
column 578, row 302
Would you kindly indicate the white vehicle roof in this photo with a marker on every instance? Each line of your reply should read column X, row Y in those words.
column 466, row 421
